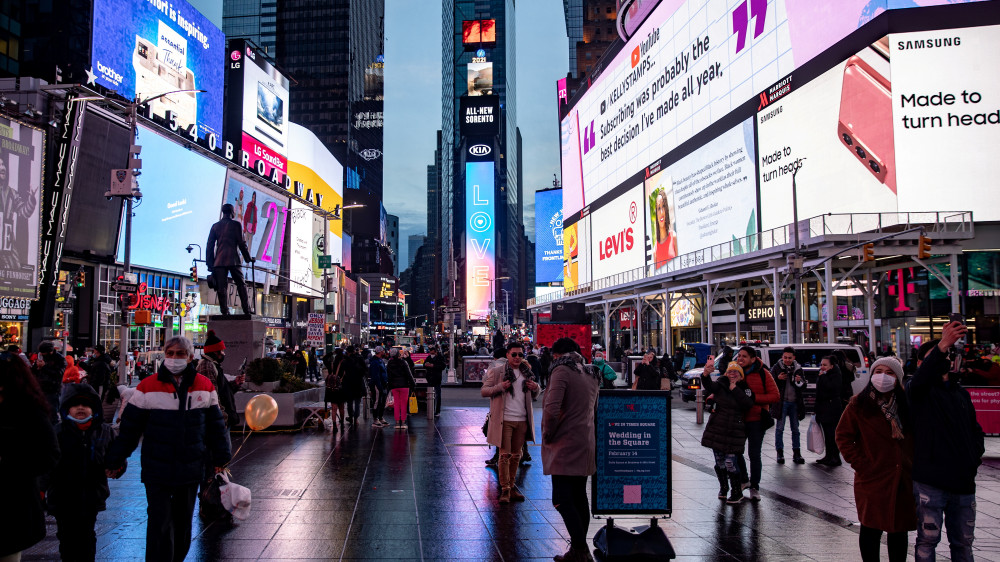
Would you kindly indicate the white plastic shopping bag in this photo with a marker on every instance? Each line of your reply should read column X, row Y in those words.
column 235, row 498
column 814, row 438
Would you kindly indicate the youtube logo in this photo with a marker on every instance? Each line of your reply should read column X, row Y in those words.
column 636, row 56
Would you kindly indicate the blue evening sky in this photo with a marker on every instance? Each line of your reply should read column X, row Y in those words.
column 413, row 101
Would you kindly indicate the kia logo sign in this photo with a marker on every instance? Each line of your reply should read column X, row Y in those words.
column 480, row 150
column 370, row 153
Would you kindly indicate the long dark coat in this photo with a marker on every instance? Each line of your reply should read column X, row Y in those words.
column 883, row 466
column 726, row 428
column 28, row 449
column 568, row 412
column 828, row 402
column 225, row 244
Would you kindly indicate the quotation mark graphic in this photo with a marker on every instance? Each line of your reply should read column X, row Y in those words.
column 589, row 138
column 758, row 11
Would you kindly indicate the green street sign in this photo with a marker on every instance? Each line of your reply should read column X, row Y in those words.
column 325, row 262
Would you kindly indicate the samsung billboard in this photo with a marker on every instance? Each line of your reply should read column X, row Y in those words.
column 143, row 48
column 480, row 239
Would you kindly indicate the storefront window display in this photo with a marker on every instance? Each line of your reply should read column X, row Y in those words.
column 13, row 320
column 161, row 294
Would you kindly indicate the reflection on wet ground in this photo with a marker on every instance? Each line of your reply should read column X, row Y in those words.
column 424, row 494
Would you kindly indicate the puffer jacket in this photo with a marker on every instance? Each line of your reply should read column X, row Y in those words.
column 726, row 428
column 399, row 374
column 78, row 482
column 180, row 427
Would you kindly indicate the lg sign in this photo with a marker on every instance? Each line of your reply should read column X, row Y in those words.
column 480, row 150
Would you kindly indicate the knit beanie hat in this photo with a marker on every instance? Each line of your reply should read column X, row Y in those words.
column 890, row 362
column 734, row 366
column 213, row 343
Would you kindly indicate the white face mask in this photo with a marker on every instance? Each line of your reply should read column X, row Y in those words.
column 175, row 365
column 883, row 382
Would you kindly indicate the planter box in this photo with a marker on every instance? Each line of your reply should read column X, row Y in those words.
column 287, row 402
column 262, row 387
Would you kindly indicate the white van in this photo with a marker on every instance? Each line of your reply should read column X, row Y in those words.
column 808, row 356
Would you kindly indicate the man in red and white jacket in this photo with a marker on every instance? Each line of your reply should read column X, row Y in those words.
column 177, row 414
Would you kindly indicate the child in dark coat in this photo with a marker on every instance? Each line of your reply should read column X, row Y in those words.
column 77, row 487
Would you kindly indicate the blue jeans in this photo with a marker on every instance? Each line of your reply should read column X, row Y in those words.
column 726, row 462
column 959, row 513
column 755, row 442
column 789, row 410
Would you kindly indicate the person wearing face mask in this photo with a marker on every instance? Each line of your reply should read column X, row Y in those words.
column 76, row 489
column 875, row 435
column 607, row 374
column 214, row 352
column 176, row 414
column 647, row 374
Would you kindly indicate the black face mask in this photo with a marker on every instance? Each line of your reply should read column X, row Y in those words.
column 219, row 358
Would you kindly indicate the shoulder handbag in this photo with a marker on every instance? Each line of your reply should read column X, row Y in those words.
column 486, row 424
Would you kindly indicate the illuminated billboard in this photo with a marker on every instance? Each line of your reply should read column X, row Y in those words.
column 480, row 115
column 480, row 78
column 480, row 239
column 263, row 216
column 258, row 111
column 307, row 241
column 142, row 48
column 181, row 200
column 946, row 145
column 22, row 151
column 318, row 178
column 664, row 87
column 479, row 32
column 548, row 236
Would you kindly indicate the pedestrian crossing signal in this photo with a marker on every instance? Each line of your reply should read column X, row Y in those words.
column 924, row 247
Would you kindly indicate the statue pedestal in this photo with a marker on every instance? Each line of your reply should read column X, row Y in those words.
column 244, row 338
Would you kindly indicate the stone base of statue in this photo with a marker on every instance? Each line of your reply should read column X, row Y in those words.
column 243, row 335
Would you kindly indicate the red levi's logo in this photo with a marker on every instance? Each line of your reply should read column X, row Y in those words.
column 614, row 245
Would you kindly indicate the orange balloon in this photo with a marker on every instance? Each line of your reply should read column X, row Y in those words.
column 261, row 411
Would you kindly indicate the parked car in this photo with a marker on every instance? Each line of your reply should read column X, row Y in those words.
column 807, row 354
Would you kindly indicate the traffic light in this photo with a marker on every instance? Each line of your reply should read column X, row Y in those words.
column 869, row 252
column 194, row 273
column 924, row 247
column 80, row 279
column 60, row 319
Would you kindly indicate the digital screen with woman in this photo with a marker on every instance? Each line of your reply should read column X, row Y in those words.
column 662, row 227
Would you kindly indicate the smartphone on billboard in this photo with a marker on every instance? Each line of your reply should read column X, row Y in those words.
column 865, row 122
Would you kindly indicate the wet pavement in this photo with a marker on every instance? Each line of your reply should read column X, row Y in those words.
column 424, row 494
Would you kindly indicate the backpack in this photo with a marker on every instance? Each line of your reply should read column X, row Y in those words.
column 333, row 380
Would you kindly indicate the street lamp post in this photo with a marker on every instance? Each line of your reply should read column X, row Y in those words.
column 133, row 122
column 795, row 269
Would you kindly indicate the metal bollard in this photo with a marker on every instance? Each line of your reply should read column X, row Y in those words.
column 431, row 398
column 699, row 406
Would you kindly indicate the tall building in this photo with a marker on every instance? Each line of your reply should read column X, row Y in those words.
column 590, row 27
column 392, row 237
column 481, row 196
column 413, row 243
column 254, row 20
column 332, row 52
column 432, row 245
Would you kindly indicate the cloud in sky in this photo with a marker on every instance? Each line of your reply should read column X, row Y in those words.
column 413, row 103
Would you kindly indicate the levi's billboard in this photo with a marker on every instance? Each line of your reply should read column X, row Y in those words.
column 619, row 235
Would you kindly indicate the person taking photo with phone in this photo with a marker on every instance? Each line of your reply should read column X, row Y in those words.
column 948, row 449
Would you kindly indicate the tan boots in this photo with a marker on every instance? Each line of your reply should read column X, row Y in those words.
column 507, row 469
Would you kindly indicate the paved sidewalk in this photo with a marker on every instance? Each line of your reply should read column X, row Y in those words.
column 424, row 494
